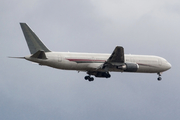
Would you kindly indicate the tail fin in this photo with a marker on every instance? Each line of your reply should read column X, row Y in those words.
column 33, row 42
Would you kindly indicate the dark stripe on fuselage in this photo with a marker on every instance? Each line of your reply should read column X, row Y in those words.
column 86, row 61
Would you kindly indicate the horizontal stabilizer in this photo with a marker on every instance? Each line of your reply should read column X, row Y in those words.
column 17, row 57
column 39, row 54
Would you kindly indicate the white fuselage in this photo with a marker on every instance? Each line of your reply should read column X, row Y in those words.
column 91, row 61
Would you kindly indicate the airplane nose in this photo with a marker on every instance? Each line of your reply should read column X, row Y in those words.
column 168, row 65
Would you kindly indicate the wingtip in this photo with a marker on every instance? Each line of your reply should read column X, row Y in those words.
column 22, row 23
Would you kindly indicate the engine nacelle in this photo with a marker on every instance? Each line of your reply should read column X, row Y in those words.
column 129, row 67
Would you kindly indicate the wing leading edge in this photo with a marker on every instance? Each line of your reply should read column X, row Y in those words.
column 116, row 58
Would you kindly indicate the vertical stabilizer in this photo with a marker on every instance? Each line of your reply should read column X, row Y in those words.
column 33, row 42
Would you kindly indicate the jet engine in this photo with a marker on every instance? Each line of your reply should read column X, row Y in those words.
column 128, row 67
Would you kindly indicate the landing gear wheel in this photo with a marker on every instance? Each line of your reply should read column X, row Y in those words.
column 108, row 76
column 91, row 79
column 87, row 77
column 159, row 79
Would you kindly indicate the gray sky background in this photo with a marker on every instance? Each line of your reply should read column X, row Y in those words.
column 29, row 91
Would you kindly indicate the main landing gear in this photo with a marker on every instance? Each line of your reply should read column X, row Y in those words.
column 159, row 78
column 89, row 78
column 96, row 74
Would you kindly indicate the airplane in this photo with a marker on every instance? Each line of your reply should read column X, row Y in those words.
column 94, row 64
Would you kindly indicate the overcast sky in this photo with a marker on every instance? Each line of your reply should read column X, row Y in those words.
column 32, row 92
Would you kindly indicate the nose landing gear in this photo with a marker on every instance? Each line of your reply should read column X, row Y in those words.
column 159, row 78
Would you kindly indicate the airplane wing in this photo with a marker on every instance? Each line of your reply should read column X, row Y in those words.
column 116, row 58
column 115, row 61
